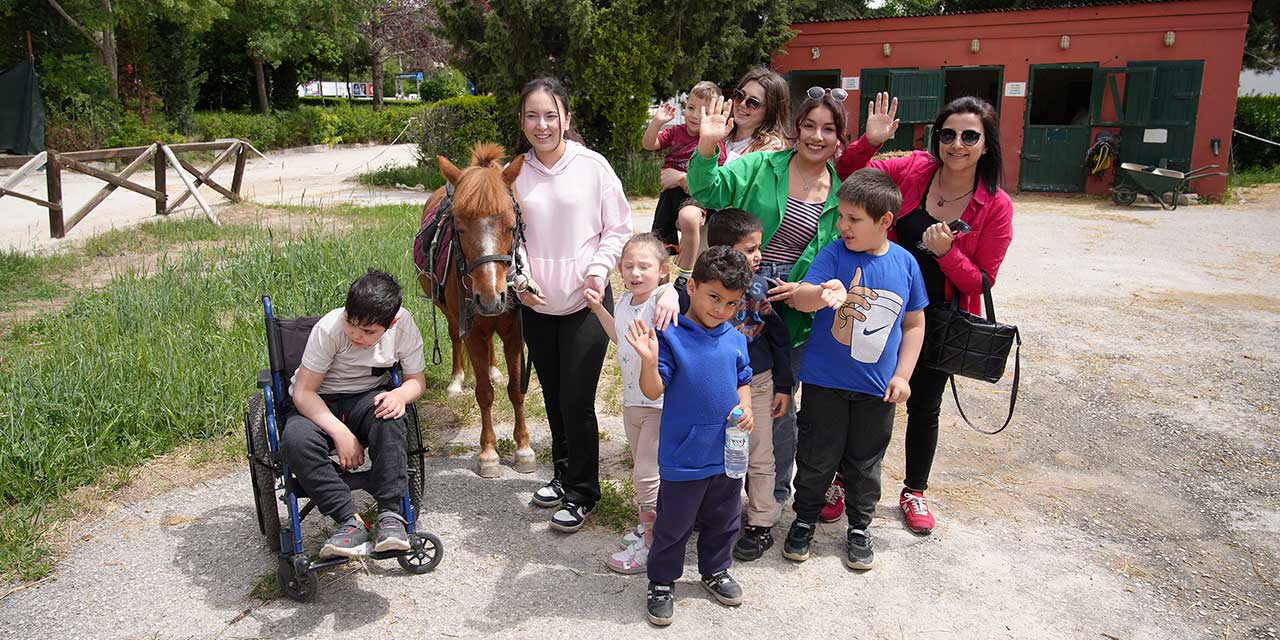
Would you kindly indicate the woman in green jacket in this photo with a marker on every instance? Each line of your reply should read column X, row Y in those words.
column 793, row 194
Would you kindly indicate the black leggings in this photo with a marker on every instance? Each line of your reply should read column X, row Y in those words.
column 923, row 407
column 568, row 352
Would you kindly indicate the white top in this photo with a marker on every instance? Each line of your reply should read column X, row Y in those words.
column 348, row 368
column 628, row 360
column 733, row 148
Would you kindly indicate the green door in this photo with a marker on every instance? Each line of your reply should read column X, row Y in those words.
column 874, row 81
column 1056, row 135
column 1161, row 102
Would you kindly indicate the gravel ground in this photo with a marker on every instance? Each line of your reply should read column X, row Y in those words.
column 1135, row 495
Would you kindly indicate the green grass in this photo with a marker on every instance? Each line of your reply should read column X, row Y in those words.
column 641, row 175
column 26, row 277
column 265, row 588
column 407, row 175
column 616, row 509
column 161, row 233
column 1254, row 176
column 148, row 362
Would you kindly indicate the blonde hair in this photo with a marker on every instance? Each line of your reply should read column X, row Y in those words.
column 705, row 90
column 645, row 240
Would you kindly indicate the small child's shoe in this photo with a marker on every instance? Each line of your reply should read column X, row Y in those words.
column 835, row 502
column 859, row 555
column 661, row 603
column 753, row 543
column 631, row 560
column 351, row 540
column 633, row 536
column 799, row 538
column 724, row 588
column 391, row 535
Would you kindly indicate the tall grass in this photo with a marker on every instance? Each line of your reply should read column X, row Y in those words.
column 641, row 175
column 148, row 362
column 26, row 276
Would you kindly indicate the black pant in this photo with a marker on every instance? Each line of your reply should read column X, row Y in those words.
column 306, row 450
column 845, row 431
column 715, row 503
column 923, row 407
column 568, row 352
column 667, row 213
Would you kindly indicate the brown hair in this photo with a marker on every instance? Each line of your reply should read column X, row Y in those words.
column 838, row 116
column 705, row 90
column 555, row 89
column 777, row 107
column 646, row 240
column 872, row 190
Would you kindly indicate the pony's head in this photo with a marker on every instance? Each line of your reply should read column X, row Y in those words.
column 485, row 221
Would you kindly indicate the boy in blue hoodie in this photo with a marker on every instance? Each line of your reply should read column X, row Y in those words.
column 702, row 370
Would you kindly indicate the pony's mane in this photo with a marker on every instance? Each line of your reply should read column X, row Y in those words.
column 480, row 191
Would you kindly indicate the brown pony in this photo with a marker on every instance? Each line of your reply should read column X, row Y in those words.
column 484, row 219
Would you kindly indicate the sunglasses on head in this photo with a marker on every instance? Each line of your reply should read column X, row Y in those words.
column 816, row 93
column 969, row 137
column 750, row 102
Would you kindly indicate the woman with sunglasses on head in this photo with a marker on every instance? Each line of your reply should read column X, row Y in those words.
column 761, row 111
column 793, row 194
column 956, row 181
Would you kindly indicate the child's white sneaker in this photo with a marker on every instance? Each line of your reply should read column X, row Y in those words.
column 631, row 560
column 633, row 536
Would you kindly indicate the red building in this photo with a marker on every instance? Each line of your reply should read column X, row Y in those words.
column 1161, row 76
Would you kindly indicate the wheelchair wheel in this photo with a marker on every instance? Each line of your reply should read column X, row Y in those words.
column 302, row 588
column 417, row 472
column 262, row 475
column 427, row 552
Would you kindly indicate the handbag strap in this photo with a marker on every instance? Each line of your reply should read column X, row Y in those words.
column 986, row 297
column 1013, row 396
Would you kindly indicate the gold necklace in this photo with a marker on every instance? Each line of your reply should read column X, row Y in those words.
column 942, row 202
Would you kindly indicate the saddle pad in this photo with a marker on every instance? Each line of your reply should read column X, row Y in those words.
column 435, row 233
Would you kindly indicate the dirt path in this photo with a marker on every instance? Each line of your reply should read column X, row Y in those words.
column 1134, row 496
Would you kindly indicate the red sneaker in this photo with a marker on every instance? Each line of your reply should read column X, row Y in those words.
column 835, row 502
column 916, row 509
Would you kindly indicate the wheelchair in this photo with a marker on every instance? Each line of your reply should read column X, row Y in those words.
column 274, row 485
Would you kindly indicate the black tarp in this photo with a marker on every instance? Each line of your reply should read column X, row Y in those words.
column 21, row 111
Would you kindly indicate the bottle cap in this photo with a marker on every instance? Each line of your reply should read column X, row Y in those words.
column 737, row 413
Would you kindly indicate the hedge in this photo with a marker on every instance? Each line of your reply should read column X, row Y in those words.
column 452, row 126
column 1259, row 116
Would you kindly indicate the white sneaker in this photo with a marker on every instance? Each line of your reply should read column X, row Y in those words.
column 631, row 560
column 633, row 536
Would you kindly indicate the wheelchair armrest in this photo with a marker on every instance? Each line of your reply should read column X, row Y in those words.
column 264, row 378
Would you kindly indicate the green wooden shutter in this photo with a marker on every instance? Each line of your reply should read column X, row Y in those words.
column 1139, row 89
column 919, row 94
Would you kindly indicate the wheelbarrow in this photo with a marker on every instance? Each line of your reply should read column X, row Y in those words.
column 1164, row 186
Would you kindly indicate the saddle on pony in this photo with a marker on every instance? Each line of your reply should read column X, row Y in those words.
column 433, row 246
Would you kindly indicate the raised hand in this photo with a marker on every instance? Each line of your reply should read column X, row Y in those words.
column 666, row 113
column 643, row 339
column 716, row 123
column 882, row 119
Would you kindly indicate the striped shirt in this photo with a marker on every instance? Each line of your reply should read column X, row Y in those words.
column 799, row 226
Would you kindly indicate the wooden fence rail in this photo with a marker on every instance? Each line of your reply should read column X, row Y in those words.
column 159, row 154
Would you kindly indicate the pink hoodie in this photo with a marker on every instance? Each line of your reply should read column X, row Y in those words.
column 577, row 221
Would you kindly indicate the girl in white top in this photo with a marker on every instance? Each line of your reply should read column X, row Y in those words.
column 644, row 264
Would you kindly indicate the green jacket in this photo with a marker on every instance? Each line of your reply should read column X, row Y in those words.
column 757, row 184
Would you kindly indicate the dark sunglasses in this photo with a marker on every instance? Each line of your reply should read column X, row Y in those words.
column 750, row 102
column 969, row 137
column 816, row 93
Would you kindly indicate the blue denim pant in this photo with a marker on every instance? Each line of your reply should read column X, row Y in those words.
column 784, row 426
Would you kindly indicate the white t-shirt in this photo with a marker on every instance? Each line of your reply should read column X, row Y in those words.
column 734, row 148
column 628, row 360
column 348, row 368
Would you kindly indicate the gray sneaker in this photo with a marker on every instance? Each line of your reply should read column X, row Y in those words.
column 391, row 533
column 351, row 540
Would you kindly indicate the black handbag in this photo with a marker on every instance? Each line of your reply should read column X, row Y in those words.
column 961, row 344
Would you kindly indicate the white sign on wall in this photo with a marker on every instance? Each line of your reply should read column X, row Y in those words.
column 1155, row 136
column 849, row 83
column 1015, row 89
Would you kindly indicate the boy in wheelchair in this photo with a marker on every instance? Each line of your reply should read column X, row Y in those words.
column 340, row 403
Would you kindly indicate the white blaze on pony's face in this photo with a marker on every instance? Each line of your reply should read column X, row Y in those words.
column 544, row 121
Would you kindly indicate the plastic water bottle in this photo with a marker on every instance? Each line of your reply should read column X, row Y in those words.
column 736, row 443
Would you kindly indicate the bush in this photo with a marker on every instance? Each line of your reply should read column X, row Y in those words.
column 390, row 175
column 444, row 83
column 132, row 131
column 1259, row 116
column 451, row 127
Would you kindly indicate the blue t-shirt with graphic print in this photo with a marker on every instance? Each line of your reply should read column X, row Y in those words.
column 855, row 348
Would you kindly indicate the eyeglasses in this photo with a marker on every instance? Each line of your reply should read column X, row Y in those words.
column 969, row 137
column 816, row 93
column 751, row 103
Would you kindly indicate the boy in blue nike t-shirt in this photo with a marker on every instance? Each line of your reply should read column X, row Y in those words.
column 703, row 368
column 870, row 298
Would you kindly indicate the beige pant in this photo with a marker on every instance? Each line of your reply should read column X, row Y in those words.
column 760, row 469
column 641, row 425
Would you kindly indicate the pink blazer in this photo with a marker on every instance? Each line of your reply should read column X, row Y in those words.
column 990, row 216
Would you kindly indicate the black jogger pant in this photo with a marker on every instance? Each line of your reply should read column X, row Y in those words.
column 841, row 431
column 715, row 503
column 923, row 408
column 306, row 450
column 568, row 352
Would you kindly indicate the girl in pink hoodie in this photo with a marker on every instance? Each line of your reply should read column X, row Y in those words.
column 577, row 221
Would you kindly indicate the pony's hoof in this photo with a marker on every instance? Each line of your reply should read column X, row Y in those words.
column 454, row 389
column 496, row 377
column 488, row 468
column 526, row 461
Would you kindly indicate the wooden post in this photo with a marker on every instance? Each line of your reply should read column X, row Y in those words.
column 189, row 182
column 237, row 179
column 161, row 203
column 53, row 180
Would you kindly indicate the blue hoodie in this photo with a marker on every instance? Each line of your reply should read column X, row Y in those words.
column 701, row 370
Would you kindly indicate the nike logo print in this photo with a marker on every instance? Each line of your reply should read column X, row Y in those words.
column 867, row 333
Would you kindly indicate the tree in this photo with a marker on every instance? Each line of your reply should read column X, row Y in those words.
column 1262, row 45
column 297, row 30
column 395, row 28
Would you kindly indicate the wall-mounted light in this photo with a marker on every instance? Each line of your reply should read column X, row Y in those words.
column 1168, row 38
column 974, row 46
column 1064, row 43
column 1216, row 145
column 886, row 49
column 814, row 53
